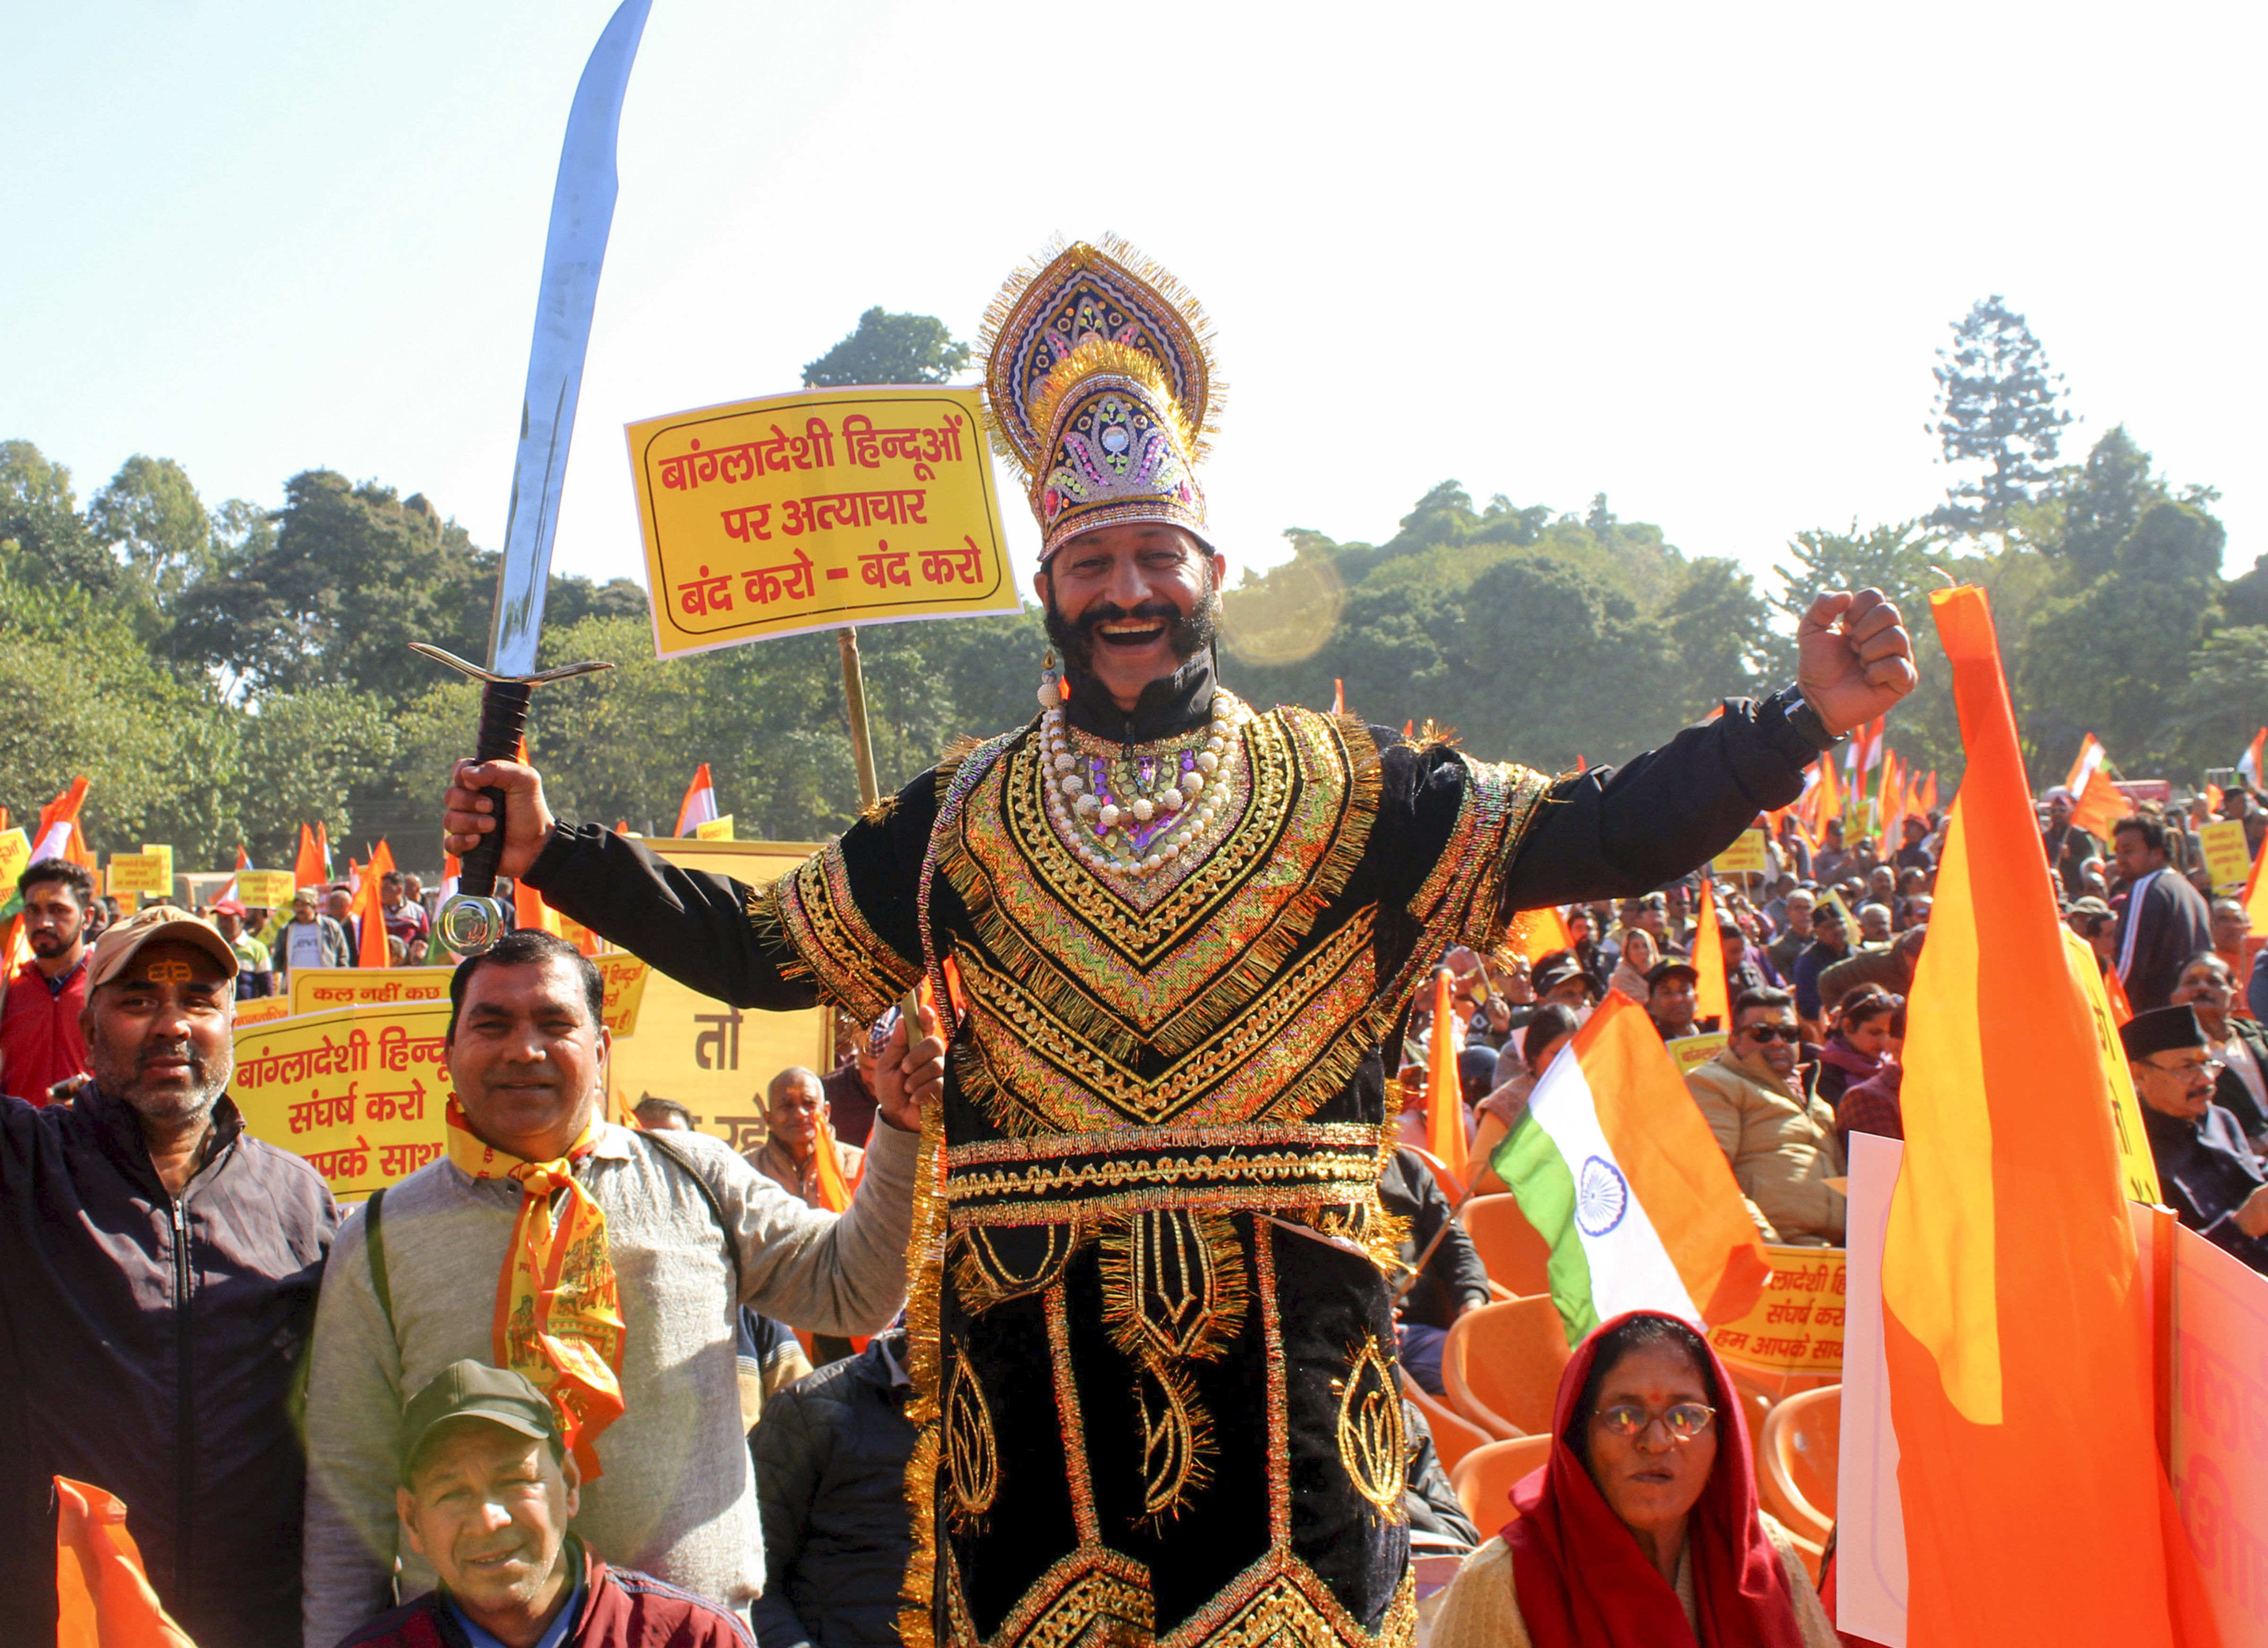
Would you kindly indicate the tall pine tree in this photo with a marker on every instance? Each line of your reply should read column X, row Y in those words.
column 1999, row 405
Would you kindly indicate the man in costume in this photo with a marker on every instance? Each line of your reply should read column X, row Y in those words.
column 1150, row 1314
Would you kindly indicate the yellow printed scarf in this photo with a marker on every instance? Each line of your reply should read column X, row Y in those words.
column 558, row 1311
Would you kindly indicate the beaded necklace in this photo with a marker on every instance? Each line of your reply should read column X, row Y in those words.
column 1133, row 813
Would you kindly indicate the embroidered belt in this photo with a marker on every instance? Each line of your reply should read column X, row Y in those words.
column 1062, row 1178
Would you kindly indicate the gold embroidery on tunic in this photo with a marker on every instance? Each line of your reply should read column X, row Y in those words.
column 834, row 944
column 1370, row 1429
column 972, row 1456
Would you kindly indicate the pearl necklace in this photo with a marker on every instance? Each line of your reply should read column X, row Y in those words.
column 1134, row 816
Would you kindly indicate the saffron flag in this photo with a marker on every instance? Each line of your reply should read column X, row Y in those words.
column 1535, row 933
column 1929, row 792
column 699, row 806
column 307, row 866
column 58, row 822
column 1617, row 1171
column 1711, row 996
column 369, row 909
column 2095, row 803
column 2008, row 1245
column 1826, row 799
column 1445, row 1095
column 103, row 1596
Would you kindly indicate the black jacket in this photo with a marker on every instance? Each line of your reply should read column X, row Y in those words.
column 2162, row 921
column 831, row 1454
column 2207, row 1173
column 1453, row 1275
column 182, row 1412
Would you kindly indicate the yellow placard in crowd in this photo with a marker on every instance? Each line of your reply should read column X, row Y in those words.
column 2138, row 1167
column 359, row 1092
column 1745, row 857
column 715, row 829
column 137, row 872
column 2227, row 854
column 15, row 858
column 714, row 1059
column 1692, row 1052
column 264, row 889
column 1830, row 896
column 326, row 989
column 1797, row 1325
column 806, row 511
column 164, row 854
column 259, row 1010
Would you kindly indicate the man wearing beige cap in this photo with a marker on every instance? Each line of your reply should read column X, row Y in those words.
column 158, row 1277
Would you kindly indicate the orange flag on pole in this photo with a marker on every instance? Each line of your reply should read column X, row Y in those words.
column 103, row 1596
column 2095, row 803
column 1445, row 1095
column 1538, row 932
column 307, row 867
column 369, row 909
column 2008, row 1247
column 1711, row 996
column 1929, row 791
column 1826, row 798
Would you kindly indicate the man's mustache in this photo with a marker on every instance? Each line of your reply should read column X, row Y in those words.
column 1111, row 611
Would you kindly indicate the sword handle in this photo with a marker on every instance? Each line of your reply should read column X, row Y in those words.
column 504, row 722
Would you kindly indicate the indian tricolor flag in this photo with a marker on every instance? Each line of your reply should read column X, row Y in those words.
column 2096, row 802
column 699, row 806
column 1617, row 1171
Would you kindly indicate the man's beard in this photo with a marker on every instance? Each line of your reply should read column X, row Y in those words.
column 121, row 1077
column 48, row 942
column 1187, row 634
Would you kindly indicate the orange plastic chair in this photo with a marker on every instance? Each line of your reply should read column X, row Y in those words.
column 1483, row 1477
column 1508, row 1245
column 1454, row 1436
column 1801, row 1448
column 1452, row 1186
column 1501, row 1365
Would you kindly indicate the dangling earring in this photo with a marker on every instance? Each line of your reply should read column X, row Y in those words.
column 1050, row 693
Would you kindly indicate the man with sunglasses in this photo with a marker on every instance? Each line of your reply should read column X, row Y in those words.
column 1779, row 1135
column 2207, row 1173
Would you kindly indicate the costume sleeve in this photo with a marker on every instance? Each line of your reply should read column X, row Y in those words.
column 840, row 925
column 788, row 1470
column 354, row 1415
column 1475, row 842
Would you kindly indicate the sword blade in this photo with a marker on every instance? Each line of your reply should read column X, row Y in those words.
column 582, row 212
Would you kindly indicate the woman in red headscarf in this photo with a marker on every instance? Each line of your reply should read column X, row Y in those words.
column 1642, row 1529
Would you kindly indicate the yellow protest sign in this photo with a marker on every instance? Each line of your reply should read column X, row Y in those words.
column 166, row 855
column 1745, row 857
column 359, row 1092
column 1692, row 1052
column 715, row 829
column 264, row 889
column 137, row 872
column 806, row 511
column 714, row 1059
column 2227, row 854
column 2138, row 1167
column 1830, row 898
column 326, row 989
column 261, row 1010
column 15, row 858
column 1797, row 1326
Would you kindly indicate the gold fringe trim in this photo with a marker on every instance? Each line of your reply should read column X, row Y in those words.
column 770, row 924
column 948, row 764
column 925, row 1362
column 1223, row 1292
column 879, row 810
column 1204, row 418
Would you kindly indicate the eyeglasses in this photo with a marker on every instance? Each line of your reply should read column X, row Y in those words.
column 1790, row 1033
column 2209, row 1070
column 1684, row 1421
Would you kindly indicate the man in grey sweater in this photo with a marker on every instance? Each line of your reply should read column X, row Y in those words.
column 690, row 1234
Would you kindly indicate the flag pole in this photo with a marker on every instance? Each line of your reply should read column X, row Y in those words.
column 854, row 697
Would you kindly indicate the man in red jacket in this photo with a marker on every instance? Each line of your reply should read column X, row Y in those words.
column 41, row 1041
column 487, row 1489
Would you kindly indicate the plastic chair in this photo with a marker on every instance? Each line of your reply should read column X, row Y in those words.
column 1454, row 1436
column 1508, row 1245
column 1483, row 1477
column 1501, row 1365
column 1801, row 1448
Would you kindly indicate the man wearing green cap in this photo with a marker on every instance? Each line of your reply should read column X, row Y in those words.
column 487, row 1489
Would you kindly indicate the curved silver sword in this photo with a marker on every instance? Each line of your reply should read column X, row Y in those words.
column 574, row 252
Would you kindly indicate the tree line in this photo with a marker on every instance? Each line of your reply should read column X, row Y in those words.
column 222, row 672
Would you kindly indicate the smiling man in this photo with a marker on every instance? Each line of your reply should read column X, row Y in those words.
column 158, row 1274
column 487, row 1491
column 646, row 1246
column 1152, row 1332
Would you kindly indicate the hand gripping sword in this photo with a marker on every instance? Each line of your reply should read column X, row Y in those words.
column 582, row 212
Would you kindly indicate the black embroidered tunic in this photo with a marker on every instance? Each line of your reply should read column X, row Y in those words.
column 1151, row 1327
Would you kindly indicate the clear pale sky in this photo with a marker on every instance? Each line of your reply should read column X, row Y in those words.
column 1697, row 258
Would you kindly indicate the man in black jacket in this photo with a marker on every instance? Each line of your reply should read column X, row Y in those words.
column 158, row 1269
column 1443, row 1276
column 831, row 1455
column 2162, row 920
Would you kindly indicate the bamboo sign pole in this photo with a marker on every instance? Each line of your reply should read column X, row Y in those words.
column 854, row 697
